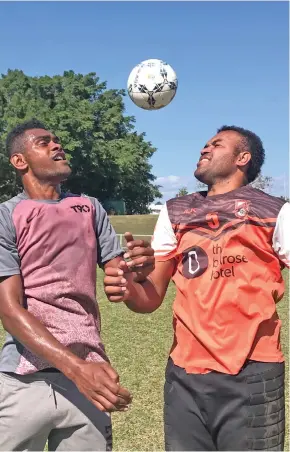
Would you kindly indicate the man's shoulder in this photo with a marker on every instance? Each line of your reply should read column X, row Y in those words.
column 95, row 202
column 181, row 205
column 183, row 200
column 6, row 213
column 268, row 205
column 10, row 204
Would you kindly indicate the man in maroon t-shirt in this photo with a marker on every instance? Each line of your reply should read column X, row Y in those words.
column 56, row 383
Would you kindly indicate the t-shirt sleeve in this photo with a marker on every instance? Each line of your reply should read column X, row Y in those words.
column 281, row 236
column 108, row 244
column 9, row 258
column 164, row 241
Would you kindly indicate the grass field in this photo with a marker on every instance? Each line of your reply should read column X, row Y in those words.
column 137, row 224
column 138, row 347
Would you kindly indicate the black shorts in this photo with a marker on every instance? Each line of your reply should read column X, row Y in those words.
column 217, row 411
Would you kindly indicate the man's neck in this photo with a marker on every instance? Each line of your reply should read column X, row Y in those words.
column 36, row 190
column 223, row 187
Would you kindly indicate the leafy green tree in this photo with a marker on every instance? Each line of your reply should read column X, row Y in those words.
column 109, row 159
column 182, row 192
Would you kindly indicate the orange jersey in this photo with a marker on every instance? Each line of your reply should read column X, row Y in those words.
column 229, row 250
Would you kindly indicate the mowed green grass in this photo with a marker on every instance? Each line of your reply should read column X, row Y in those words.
column 137, row 224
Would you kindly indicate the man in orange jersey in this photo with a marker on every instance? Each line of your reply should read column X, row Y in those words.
column 224, row 248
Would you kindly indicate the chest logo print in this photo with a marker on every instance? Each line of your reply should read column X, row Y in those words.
column 241, row 208
column 190, row 211
column 81, row 208
column 194, row 262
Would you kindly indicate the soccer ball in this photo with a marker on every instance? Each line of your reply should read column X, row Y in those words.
column 152, row 84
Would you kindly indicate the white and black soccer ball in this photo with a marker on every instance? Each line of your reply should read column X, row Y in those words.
column 152, row 84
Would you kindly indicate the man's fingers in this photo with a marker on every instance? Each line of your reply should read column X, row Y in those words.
column 107, row 398
column 112, row 374
column 129, row 237
column 124, row 395
column 142, row 262
column 112, row 391
column 138, row 243
column 112, row 271
column 114, row 401
column 115, row 281
column 123, row 266
column 117, row 298
column 115, row 290
column 108, row 406
column 131, row 243
column 97, row 404
column 115, row 295
column 104, row 395
column 138, row 252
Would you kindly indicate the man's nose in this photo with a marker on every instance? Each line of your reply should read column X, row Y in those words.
column 55, row 146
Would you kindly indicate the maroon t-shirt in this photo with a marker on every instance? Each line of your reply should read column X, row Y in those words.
column 55, row 246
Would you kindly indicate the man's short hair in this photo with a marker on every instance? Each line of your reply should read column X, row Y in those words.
column 253, row 144
column 14, row 141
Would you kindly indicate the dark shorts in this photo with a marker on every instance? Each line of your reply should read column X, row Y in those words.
column 217, row 411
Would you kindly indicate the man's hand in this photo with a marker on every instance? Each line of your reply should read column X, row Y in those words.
column 100, row 385
column 141, row 257
column 139, row 264
column 116, row 285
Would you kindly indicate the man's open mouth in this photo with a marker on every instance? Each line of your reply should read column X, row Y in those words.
column 59, row 156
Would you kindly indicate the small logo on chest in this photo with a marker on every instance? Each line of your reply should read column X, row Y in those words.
column 241, row 208
column 81, row 208
column 190, row 211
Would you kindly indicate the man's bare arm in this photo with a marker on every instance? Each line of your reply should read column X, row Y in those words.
column 29, row 331
column 98, row 382
column 143, row 297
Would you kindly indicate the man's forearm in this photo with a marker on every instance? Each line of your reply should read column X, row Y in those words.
column 144, row 297
column 31, row 333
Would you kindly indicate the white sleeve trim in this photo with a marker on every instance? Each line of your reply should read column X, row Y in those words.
column 164, row 241
column 281, row 236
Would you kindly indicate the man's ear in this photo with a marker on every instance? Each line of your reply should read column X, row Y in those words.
column 19, row 162
column 243, row 159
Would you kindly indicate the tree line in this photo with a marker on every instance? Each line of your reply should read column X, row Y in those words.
column 109, row 159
